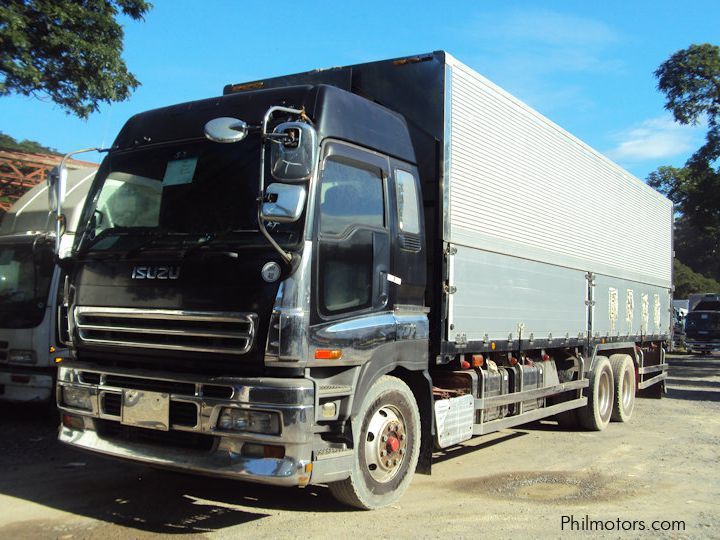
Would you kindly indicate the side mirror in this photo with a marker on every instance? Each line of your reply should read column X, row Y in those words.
column 56, row 187
column 293, row 157
column 226, row 130
column 283, row 203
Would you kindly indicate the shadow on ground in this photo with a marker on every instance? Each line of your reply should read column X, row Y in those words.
column 36, row 468
column 688, row 378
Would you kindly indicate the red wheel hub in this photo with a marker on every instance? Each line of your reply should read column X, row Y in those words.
column 392, row 444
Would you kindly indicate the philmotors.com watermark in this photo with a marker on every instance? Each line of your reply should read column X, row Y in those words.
column 587, row 524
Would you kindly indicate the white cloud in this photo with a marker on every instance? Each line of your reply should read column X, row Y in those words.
column 555, row 28
column 656, row 138
column 541, row 41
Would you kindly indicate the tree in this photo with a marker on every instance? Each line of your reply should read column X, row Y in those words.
column 67, row 50
column 690, row 80
column 688, row 282
column 10, row 143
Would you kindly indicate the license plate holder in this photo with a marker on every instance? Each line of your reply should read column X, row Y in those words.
column 144, row 409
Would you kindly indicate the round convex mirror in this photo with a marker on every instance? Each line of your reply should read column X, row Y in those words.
column 226, row 130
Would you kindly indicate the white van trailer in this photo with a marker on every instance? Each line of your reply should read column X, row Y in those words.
column 29, row 282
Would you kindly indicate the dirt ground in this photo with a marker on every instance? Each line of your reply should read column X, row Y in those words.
column 537, row 481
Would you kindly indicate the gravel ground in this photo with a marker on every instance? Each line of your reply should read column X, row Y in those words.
column 528, row 482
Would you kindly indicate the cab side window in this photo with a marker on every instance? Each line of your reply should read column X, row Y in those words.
column 407, row 202
column 349, row 196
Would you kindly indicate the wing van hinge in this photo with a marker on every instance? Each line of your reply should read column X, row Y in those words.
column 449, row 289
column 461, row 340
column 450, row 250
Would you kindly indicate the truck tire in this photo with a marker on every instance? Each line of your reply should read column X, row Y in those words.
column 623, row 369
column 595, row 416
column 386, row 430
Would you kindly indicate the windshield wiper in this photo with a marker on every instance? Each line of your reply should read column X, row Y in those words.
column 122, row 231
column 157, row 236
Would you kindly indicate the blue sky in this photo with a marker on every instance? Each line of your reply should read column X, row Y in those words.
column 588, row 66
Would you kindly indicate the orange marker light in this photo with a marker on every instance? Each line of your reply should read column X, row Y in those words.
column 478, row 360
column 52, row 349
column 328, row 354
column 58, row 360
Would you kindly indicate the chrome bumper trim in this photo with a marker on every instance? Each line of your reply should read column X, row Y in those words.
column 225, row 461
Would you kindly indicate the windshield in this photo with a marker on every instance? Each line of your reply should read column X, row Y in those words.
column 197, row 189
column 25, row 275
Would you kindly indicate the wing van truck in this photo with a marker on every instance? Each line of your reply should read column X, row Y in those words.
column 321, row 278
column 29, row 278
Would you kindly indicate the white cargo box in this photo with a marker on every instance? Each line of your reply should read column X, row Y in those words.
column 532, row 211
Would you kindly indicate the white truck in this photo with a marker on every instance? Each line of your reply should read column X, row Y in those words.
column 320, row 278
column 29, row 281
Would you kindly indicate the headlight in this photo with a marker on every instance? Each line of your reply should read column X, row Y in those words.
column 77, row 398
column 250, row 421
column 22, row 357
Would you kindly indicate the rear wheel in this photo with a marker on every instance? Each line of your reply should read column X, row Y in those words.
column 623, row 370
column 595, row 416
column 387, row 443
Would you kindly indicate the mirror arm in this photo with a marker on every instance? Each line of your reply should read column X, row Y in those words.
column 62, row 177
column 287, row 257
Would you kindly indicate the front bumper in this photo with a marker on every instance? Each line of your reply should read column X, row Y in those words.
column 25, row 384
column 220, row 453
column 702, row 346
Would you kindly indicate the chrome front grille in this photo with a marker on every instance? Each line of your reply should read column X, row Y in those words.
column 196, row 331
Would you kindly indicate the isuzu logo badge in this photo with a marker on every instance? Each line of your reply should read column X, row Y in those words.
column 156, row 272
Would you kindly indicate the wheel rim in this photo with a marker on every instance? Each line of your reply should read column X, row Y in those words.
column 385, row 444
column 604, row 395
column 628, row 389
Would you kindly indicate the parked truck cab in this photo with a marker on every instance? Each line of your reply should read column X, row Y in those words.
column 29, row 281
column 269, row 286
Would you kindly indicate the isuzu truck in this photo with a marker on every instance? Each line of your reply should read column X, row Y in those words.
column 321, row 278
column 29, row 278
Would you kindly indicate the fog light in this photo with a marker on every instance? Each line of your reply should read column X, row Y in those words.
column 250, row 421
column 263, row 451
column 73, row 422
column 21, row 357
column 77, row 398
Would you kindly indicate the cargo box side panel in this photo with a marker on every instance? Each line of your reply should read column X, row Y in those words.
column 520, row 185
column 498, row 295
column 628, row 308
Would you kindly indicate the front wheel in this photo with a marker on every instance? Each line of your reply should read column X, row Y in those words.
column 387, row 444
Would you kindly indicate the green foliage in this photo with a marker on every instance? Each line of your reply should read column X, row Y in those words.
column 9, row 143
column 690, row 80
column 688, row 282
column 698, row 248
column 69, row 50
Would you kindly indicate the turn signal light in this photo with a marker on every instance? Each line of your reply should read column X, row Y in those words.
column 328, row 354
column 478, row 360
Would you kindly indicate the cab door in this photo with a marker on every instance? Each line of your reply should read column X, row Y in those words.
column 353, row 233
